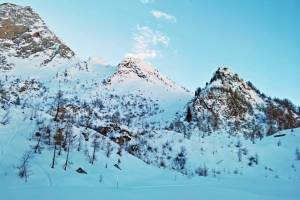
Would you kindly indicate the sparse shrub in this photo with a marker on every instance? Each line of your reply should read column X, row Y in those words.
column 253, row 160
column 202, row 171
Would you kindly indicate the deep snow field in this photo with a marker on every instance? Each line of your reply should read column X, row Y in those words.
column 277, row 175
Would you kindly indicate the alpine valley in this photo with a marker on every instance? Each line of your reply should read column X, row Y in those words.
column 75, row 129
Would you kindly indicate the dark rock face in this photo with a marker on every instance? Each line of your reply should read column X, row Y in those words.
column 228, row 103
column 23, row 34
column 10, row 31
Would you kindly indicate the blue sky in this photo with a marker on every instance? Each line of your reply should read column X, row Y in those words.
column 187, row 40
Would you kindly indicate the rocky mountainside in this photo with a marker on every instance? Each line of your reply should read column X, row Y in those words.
column 24, row 35
column 230, row 104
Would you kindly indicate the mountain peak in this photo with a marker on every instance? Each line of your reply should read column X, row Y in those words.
column 9, row 5
column 137, row 72
column 136, row 66
column 23, row 34
column 225, row 75
column 229, row 103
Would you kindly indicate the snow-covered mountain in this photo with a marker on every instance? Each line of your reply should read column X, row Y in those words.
column 24, row 36
column 133, row 70
column 65, row 121
column 229, row 103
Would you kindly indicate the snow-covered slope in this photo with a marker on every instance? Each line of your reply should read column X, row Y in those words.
column 141, row 78
column 268, row 169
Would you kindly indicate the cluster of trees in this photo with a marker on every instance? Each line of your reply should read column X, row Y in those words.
column 262, row 95
column 62, row 139
column 179, row 161
column 129, row 110
column 280, row 116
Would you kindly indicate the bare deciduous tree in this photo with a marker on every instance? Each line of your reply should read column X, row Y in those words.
column 69, row 142
column 96, row 146
column 23, row 168
column 58, row 139
column 59, row 98
column 37, row 147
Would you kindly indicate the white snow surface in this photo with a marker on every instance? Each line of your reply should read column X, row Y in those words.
column 276, row 176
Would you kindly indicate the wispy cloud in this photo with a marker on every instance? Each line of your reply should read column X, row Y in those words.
column 163, row 15
column 146, row 1
column 147, row 43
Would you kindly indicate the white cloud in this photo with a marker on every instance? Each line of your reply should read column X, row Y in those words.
column 163, row 15
column 147, row 43
column 146, row 1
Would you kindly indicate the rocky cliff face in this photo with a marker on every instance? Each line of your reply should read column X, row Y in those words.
column 229, row 103
column 23, row 34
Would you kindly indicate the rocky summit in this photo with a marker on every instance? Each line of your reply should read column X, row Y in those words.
column 233, row 105
column 24, row 35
